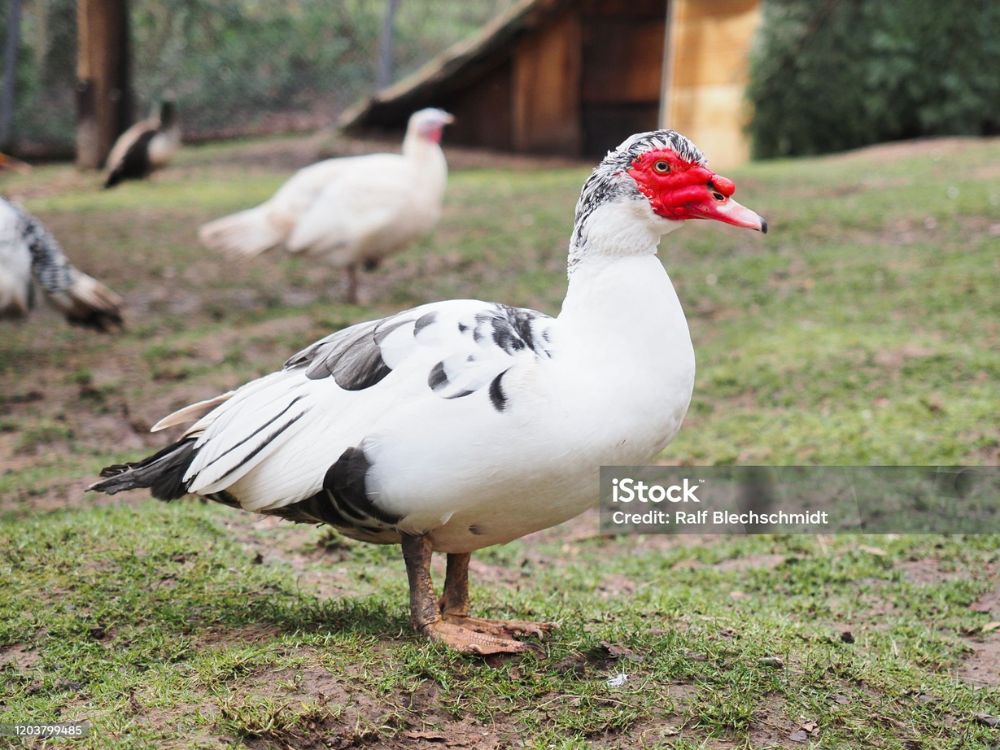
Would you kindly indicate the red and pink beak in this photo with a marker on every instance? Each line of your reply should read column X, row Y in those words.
column 720, row 206
column 679, row 190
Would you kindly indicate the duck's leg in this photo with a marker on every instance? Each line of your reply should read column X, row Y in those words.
column 426, row 617
column 351, row 274
column 455, row 599
column 417, row 556
column 454, row 605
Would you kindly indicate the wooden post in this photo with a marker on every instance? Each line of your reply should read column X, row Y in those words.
column 104, row 101
column 386, row 46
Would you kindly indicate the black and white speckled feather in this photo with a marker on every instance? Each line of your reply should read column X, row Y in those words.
column 480, row 339
column 49, row 265
column 28, row 250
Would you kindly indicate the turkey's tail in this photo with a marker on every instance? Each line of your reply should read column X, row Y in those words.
column 88, row 303
column 244, row 234
column 162, row 473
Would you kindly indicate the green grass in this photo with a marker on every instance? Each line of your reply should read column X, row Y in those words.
column 863, row 329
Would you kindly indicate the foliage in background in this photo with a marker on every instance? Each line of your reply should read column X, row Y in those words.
column 45, row 106
column 833, row 75
column 234, row 66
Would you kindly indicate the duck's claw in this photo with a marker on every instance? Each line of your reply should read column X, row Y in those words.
column 503, row 628
column 472, row 641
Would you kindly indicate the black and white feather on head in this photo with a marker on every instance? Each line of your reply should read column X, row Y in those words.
column 611, row 182
column 639, row 143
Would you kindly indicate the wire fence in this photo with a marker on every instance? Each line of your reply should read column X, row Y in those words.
column 234, row 67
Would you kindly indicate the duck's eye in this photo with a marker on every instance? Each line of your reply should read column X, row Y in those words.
column 661, row 167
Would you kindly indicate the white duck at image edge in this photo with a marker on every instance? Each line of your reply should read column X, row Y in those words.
column 29, row 254
column 462, row 424
column 349, row 211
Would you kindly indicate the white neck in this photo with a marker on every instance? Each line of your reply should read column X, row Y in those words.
column 623, row 339
column 618, row 289
column 429, row 162
column 415, row 146
column 615, row 230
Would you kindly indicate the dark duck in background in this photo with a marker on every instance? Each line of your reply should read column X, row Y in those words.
column 145, row 147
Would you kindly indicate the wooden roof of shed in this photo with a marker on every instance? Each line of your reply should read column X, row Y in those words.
column 461, row 63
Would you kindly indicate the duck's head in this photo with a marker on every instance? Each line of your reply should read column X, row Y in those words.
column 663, row 179
column 429, row 123
column 167, row 112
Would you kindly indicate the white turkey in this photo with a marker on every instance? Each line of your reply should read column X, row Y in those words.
column 148, row 145
column 27, row 251
column 462, row 424
column 349, row 211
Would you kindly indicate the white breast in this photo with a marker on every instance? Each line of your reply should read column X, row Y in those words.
column 163, row 146
column 614, row 393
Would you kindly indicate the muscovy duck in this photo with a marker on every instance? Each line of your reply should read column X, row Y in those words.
column 28, row 250
column 462, row 424
column 148, row 145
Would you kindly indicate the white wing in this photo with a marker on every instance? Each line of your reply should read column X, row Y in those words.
column 355, row 212
column 302, row 190
column 258, row 229
column 275, row 441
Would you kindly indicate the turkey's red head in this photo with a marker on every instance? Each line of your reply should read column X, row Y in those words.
column 679, row 189
column 429, row 123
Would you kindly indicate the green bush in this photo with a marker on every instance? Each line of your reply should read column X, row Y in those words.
column 828, row 75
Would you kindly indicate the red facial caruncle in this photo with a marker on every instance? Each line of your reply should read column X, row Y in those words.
column 429, row 123
column 432, row 133
column 680, row 190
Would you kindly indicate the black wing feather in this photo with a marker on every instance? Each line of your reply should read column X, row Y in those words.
column 135, row 165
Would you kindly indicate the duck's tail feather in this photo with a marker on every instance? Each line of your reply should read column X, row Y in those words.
column 191, row 413
column 162, row 473
column 115, row 176
column 88, row 303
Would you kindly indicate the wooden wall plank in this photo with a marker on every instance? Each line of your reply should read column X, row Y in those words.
column 482, row 110
column 546, row 88
column 622, row 61
column 625, row 9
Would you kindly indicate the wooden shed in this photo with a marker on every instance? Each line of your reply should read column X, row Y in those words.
column 576, row 78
